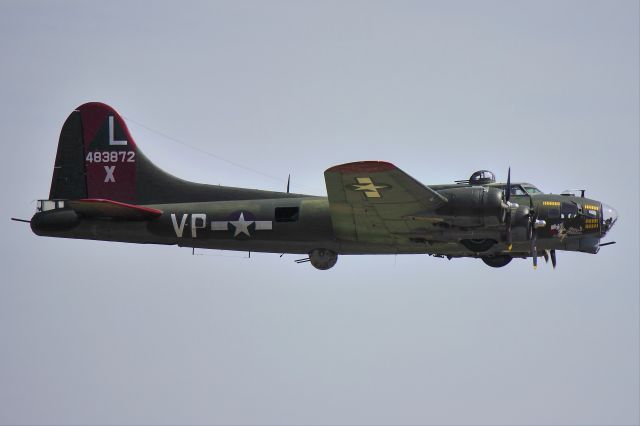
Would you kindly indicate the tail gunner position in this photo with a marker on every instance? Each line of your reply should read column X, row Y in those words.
column 105, row 188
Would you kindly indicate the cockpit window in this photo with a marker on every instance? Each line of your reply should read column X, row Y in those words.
column 532, row 190
column 517, row 190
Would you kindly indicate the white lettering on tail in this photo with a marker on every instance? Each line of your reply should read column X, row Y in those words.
column 111, row 141
column 109, row 177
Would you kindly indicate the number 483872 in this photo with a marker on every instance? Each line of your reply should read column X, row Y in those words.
column 111, row 157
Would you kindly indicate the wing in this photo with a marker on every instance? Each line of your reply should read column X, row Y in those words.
column 99, row 208
column 374, row 201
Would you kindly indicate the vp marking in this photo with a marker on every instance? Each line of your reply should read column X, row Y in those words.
column 369, row 189
column 109, row 176
column 198, row 221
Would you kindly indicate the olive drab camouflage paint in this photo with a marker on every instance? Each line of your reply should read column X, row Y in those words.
column 105, row 188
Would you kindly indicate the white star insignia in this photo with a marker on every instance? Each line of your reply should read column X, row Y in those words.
column 241, row 225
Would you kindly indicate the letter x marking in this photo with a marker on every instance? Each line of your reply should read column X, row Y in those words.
column 109, row 177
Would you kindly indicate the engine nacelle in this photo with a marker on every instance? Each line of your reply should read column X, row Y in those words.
column 474, row 201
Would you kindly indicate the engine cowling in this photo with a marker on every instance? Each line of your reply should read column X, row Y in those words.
column 475, row 201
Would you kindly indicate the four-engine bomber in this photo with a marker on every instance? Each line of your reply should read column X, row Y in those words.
column 105, row 188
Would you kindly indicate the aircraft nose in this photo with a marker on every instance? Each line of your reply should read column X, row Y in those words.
column 609, row 218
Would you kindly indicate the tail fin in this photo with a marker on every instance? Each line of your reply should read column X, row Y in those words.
column 97, row 157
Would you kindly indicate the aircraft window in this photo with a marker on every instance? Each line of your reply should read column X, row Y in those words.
column 554, row 213
column 287, row 214
column 517, row 190
column 532, row 190
column 482, row 175
column 569, row 210
column 590, row 212
column 46, row 205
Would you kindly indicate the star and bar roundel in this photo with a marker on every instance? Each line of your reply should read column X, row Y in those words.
column 242, row 224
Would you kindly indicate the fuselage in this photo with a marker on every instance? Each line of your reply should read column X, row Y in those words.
column 303, row 223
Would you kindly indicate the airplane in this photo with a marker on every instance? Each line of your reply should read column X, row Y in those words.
column 104, row 188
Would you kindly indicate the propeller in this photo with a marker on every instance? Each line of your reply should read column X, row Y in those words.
column 533, row 237
column 550, row 254
column 508, row 218
column 508, row 207
column 534, row 224
column 533, row 240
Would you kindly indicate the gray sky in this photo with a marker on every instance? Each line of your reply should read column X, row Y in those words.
column 95, row 332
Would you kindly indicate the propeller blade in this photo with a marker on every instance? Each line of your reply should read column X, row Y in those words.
column 507, row 197
column 509, row 237
column 534, row 253
column 534, row 249
column 553, row 258
column 533, row 217
column 508, row 188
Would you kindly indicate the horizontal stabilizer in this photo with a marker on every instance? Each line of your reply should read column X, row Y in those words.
column 99, row 208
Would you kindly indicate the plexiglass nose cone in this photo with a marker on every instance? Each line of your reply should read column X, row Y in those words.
column 609, row 218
